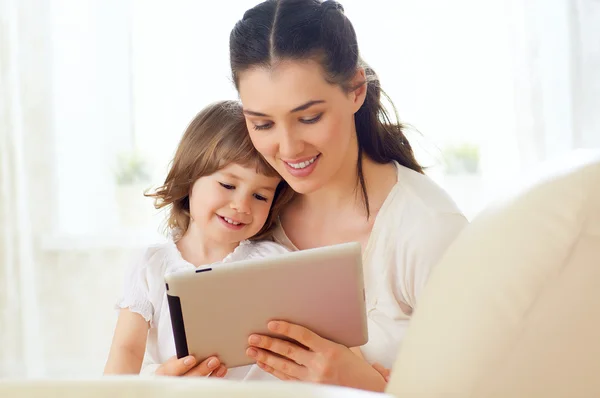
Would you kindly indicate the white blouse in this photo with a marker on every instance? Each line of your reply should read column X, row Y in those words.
column 145, row 294
column 413, row 228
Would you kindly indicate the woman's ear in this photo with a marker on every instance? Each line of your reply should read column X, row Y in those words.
column 359, row 83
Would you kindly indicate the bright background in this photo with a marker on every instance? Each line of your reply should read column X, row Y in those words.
column 95, row 94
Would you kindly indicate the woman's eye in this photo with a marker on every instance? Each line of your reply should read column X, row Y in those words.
column 226, row 186
column 313, row 119
column 264, row 126
column 260, row 197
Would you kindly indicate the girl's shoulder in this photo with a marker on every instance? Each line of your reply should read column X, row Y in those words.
column 255, row 249
column 163, row 257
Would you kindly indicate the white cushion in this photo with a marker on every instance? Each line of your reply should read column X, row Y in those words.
column 513, row 308
column 171, row 387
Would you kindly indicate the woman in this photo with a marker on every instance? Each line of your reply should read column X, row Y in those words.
column 313, row 110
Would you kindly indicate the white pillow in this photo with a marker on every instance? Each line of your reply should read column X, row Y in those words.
column 513, row 308
column 172, row 387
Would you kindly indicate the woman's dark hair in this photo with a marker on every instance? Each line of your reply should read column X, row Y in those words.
column 278, row 30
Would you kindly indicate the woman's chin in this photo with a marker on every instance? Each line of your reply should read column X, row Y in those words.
column 304, row 186
column 303, row 182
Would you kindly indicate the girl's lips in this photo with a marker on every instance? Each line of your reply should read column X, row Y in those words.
column 229, row 225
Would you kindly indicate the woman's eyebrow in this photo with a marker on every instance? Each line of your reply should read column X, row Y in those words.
column 296, row 109
column 307, row 105
column 253, row 113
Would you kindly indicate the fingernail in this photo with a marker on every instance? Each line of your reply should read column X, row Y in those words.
column 189, row 361
column 213, row 363
column 387, row 379
column 254, row 339
column 221, row 372
column 252, row 352
column 273, row 325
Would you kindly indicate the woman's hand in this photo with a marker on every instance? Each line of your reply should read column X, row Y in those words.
column 188, row 366
column 314, row 359
column 385, row 372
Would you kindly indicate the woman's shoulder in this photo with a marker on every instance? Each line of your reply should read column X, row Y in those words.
column 419, row 213
column 422, row 193
column 413, row 230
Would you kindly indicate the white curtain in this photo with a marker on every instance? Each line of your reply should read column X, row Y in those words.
column 56, row 293
column 585, row 15
column 22, row 120
column 556, row 74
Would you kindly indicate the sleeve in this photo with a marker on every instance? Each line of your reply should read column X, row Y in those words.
column 423, row 249
column 136, row 294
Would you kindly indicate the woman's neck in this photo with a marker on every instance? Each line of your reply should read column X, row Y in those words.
column 344, row 191
column 198, row 250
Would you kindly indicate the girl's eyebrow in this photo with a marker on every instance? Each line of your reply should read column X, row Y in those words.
column 230, row 175
column 237, row 178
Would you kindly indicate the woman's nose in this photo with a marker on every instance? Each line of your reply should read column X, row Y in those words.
column 290, row 146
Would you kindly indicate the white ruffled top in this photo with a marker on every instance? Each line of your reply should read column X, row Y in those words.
column 145, row 293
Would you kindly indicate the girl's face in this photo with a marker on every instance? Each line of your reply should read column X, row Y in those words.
column 232, row 204
column 302, row 125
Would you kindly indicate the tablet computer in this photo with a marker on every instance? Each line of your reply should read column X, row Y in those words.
column 214, row 309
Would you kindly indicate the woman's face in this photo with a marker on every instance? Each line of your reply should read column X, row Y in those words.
column 300, row 123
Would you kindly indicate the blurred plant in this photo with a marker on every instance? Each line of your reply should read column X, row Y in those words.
column 461, row 159
column 131, row 169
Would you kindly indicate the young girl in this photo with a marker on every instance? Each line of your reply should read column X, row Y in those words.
column 224, row 200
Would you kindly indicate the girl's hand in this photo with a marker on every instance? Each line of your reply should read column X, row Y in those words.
column 187, row 366
column 314, row 359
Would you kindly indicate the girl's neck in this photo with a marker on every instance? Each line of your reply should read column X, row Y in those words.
column 197, row 249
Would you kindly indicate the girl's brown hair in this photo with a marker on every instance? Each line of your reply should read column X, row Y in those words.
column 216, row 137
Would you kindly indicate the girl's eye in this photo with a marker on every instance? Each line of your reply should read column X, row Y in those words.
column 265, row 126
column 312, row 119
column 260, row 197
column 226, row 186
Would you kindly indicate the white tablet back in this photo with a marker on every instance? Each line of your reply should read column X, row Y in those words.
column 214, row 310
